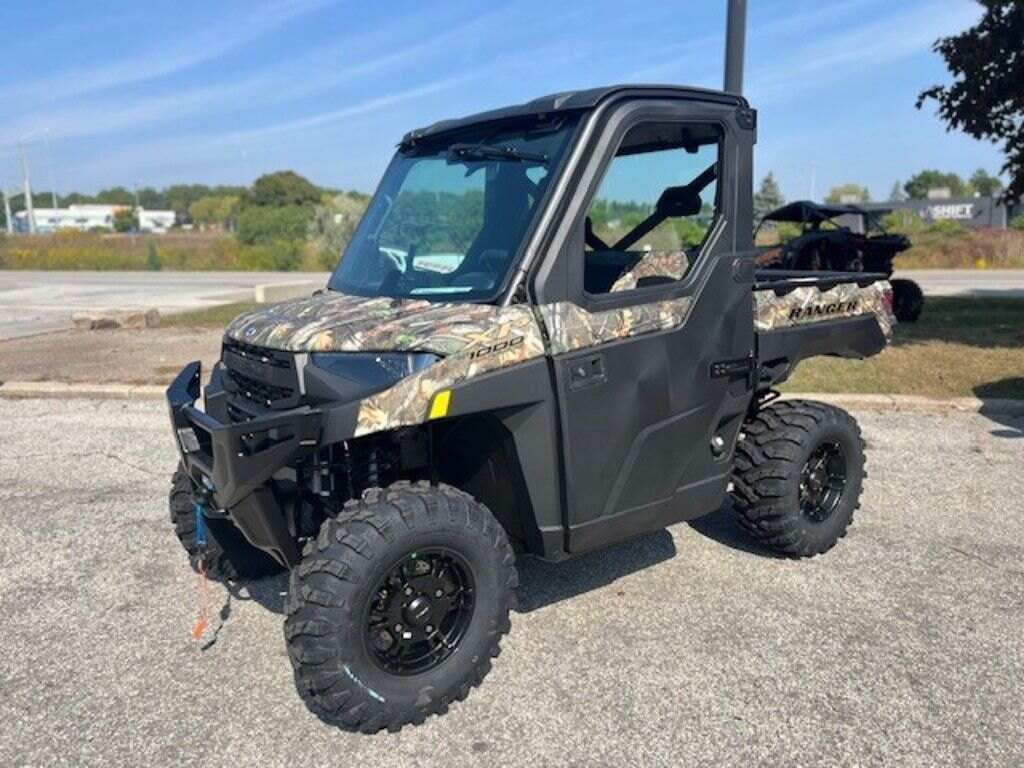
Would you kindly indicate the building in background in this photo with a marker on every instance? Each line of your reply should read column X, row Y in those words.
column 88, row 217
column 974, row 212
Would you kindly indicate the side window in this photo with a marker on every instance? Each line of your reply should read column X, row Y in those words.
column 652, row 212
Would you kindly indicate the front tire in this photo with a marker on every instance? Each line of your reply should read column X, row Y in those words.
column 798, row 476
column 399, row 605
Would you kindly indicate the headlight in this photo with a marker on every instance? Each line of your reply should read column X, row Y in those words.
column 373, row 371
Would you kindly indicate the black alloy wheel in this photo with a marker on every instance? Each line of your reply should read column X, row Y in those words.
column 423, row 608
column 822, row 481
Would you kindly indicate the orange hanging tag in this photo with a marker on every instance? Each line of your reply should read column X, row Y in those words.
column 204, row 600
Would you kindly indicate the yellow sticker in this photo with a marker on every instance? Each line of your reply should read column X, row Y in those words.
column 439, row 408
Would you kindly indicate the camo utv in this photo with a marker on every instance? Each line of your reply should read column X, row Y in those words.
column 546, row 335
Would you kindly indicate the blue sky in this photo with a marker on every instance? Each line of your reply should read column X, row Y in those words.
column 218, row 92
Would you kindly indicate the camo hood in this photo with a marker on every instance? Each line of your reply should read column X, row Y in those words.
column 338, row 322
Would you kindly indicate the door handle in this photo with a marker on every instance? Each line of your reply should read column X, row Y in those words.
column 586, row 371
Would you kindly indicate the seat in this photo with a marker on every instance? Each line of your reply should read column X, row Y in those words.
column 654, row 268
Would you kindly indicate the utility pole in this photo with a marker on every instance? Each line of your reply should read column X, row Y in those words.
column 7, row 212
column 49, row 162
column 735, row 43
column 27, row 183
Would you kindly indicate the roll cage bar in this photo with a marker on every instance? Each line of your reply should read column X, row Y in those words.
column 683, row 200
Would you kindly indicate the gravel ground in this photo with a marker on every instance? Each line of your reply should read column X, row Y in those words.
column 152, row 356
column 903, row 646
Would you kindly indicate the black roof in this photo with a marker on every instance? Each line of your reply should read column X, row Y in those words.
column 570, row 101
column 806, row 211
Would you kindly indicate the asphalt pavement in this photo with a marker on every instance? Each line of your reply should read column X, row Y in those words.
column 37, row 302
column 994, row 283
column 690, row 646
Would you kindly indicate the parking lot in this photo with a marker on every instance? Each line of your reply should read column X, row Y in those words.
column 903, row 646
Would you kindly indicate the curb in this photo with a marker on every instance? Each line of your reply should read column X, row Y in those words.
column 56, row 390
column 268, row 293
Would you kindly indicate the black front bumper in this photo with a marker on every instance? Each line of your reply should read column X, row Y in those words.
column 237, row 460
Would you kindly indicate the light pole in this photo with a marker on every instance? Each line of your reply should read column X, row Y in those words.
column 7, row 212
column 27, row 187
column 49, row 162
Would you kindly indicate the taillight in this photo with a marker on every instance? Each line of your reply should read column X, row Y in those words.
column 887, row 300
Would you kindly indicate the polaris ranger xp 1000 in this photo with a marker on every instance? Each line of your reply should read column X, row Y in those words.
column 546, row 335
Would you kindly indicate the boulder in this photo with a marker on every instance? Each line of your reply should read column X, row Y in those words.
column 135, row 319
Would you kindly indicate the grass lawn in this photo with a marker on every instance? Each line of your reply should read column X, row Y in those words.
column 211, row 317
column 959, row 347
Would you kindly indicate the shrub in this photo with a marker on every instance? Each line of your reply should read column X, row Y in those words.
column 278, row 256
column 1017, row 222
column 903, row 221
column 89, row 250
column 994, row 249
column 264, row 225
column 945, row 225
column 125, row 220
column 152, row 257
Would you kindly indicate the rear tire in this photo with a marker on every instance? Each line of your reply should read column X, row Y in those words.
column 354, row 597
column 907, row 300
column 799, row 469
column 228, row 554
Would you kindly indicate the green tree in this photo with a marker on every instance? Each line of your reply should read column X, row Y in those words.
column 332, row 225
column 986, row 97
column 767, row 198
column 848, row 193
column 150, row 199
column 178, row 197
column 217, row 210
column 985, row 184
column 113, row 196
column 125, row 220
column 918, row 185
column 280, row 189
column 264, row 226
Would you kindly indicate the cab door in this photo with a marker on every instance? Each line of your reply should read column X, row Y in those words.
column 648, row 312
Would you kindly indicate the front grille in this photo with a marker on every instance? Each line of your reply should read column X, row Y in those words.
column 259, row 392
column 271, row 357
column 258, row 380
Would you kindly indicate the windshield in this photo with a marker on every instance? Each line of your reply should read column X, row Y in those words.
column 449, row 218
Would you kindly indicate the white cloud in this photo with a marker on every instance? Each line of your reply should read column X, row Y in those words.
column 884, row 40
column 215, row 40
column 287, row 80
